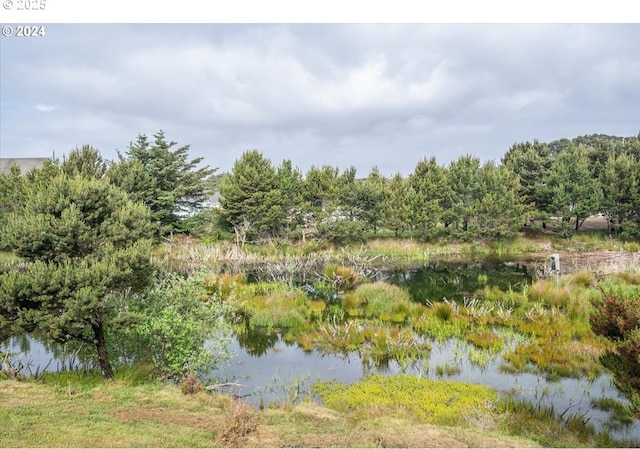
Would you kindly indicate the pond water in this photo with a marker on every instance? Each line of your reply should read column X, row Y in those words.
column 441, row 279
column 284, row 372
column 267, row 369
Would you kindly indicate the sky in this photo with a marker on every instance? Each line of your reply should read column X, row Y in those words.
column 343, row 94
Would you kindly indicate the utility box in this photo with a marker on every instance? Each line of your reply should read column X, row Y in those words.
column 555, row 263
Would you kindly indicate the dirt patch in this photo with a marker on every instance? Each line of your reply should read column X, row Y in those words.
column 164, row 415
column 595, row 223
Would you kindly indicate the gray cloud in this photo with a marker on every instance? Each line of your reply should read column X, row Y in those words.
column 362, row 95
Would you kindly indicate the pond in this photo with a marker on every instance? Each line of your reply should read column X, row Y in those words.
column 285, row 373
column 267, row 368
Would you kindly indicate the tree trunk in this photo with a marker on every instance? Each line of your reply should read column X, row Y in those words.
column 101, row 347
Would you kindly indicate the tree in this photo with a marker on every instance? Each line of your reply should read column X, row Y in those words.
column 371, row 199
column 250, row 198
column 320, row 196
column 500, row 210
column 162, row 178
column 397, row 214
column 570, row 184
column 531, row 163
column 85, row 162
column 620, row 179
column 429, row 185
column 11, row 195
column 85, row 244
column 290, row 189
column 464, row 192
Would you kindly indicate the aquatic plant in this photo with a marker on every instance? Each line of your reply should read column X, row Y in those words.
column 485, row 340
column 384, row 343
column 341, row 276
column 429, row 325
column 223, row 284
column 443, row 311
column 447, row 370
column 386, row 301
column 433, row 401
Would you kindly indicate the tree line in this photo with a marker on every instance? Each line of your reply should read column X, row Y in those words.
column 557, row 184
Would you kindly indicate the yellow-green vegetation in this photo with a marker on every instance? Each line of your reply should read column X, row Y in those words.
column 385, row 301
column 224, row 284
column 433, row 401
column 485, row 340
column 461, row 405
column 341, row 276
column 8, row 257
column 287, row 309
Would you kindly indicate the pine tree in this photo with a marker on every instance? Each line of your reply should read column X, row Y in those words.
column 84, row 243
column 163, row 178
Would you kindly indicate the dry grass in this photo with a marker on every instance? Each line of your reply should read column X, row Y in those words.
column 117, row 415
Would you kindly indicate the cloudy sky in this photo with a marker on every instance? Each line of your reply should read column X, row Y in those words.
column 341, row 94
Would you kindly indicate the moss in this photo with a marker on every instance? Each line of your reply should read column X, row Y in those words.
column 431, row 401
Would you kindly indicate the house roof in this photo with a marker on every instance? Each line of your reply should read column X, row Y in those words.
column 26, row 164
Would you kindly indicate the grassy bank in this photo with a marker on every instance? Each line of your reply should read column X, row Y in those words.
column 68, row 410
column 122, row 414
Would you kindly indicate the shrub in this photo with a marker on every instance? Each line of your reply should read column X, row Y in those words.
column 191, row 384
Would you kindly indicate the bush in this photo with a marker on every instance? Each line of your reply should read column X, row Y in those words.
column 616, row 316
column 176, row 323
column 343, row 232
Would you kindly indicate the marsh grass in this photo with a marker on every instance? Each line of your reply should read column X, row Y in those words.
column 487, row 340
column 385, row 301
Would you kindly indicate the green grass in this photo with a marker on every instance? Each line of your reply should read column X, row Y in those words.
column 118, row 414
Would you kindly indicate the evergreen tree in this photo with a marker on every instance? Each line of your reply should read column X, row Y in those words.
column 397, row 211
column 250, row 199
column 464, row 193
column 531, row 163
column 86, row 245
column 620, row 180
column 574, row 191
column 85, row 162
column 500, row 210
column 290, row 191
column 163, row 178
column 11, row 196
column 428, row 183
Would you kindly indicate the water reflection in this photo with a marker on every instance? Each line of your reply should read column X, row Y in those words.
column 436, row 280
column 285, row 371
